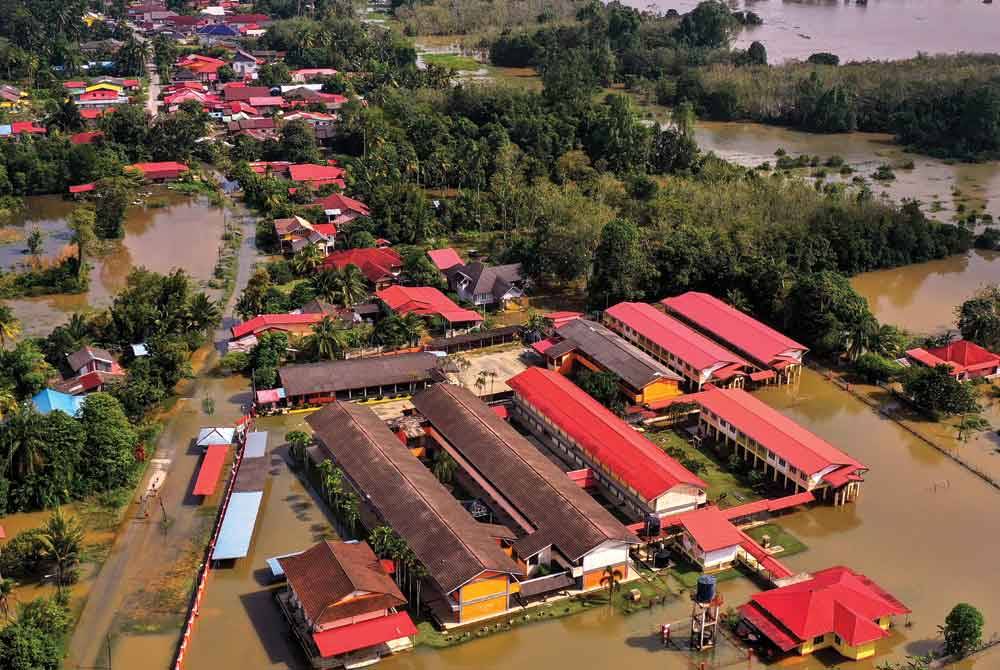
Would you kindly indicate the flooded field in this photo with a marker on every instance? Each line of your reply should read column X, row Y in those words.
column 877, row 30
column 184, row 232
column 922, row 298
column 941, row 186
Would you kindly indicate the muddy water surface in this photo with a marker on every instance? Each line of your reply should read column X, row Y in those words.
column 184, row 233
column 922, row 298
column 941, row 187
column 880, row 30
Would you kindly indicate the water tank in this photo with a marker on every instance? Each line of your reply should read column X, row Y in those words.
column 652, row 525
column 706, row 589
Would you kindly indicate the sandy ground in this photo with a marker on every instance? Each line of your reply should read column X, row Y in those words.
column 505, row 363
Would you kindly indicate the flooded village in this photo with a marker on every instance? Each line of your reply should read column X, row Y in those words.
column 410, row 449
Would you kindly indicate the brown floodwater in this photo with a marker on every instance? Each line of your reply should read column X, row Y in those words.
column 922, row 298
column 921, row 528
column 240, row 625
column 185, row 232
column 880, row 30
column 940, row 186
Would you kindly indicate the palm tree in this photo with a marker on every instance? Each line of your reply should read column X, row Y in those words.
column 353, row 286
column 481, row 381
column 858, row 335
column 81, row 222
column 8, row 402
column 412, row 327
column 308, row 260
column 329, row 339
column 886, row 341
column 611, row 580
column 382, row 539
column 203, row 312
column 349, row 507
column 10, row 326
column 61, row 541
column 326, row 283
column 444, row 466
column 6, row 591
column 20, row 444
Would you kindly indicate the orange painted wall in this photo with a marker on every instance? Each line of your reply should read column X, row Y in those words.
column 484, row 588
column 483, row 608
column 592, row 579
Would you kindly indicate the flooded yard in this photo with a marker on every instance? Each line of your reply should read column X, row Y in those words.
column 170, row 231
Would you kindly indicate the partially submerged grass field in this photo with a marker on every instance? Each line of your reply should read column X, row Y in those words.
column 454, row 61
column 721, row 482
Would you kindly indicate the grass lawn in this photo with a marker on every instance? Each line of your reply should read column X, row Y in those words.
column 779, row 538
column 454, row 61
column 715, row 473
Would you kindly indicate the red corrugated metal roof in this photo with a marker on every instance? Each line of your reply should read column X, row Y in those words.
column 810, row 608
column 276, row 321
column 356, row 636
column 635, row 460
column 343, row 203
column 211, row 467
column 311, row 172
column 425, row 300
column 376, row 264
column 774, row 505
column 155, row 168
column 444, row 258
column 768, row 628
column 768, row 562
column 559, row 319
column 85, row 138
column 82, row 188
column 774, row 430
column 960, row 356
column 673, row 336
column 732, row 326
column 708, row 527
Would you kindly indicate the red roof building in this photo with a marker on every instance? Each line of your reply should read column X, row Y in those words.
column 317, row 175
column 586, row 434
column 92, row 114
column 160, row 172
column 380, row 266
column 837, row 608
column 341, row 210
column 238, row 92
column 201, row 67
column 966, row 360
column 341, row 596
column 82, row 188
column 682, row 349
column 762, row 345
column 444, row 259
column 26, row 127
column 786, row 451
column 86, row 138
column 294, row 324
column 427, row 301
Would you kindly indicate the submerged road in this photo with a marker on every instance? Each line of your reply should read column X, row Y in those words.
column 145, row 550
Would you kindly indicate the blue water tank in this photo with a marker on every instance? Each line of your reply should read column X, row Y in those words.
column 706, row 589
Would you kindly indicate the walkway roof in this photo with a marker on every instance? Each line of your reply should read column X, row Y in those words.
column 237, row 526
column 256, row 446
column 211, row 468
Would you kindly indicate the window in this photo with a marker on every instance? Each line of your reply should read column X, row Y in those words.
column 837, row 639
column 819, row 639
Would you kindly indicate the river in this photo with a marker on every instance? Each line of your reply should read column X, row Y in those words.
column 171, row 230
column 880, row 30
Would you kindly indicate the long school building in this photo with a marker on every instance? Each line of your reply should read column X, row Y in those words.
column 684, row 350
column 561, row 530
column 630, row 469
column 469, row 576
column 777, row 357
column 785, row 451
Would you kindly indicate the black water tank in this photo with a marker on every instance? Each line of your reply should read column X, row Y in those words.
column 652, row 525
column 706, row 589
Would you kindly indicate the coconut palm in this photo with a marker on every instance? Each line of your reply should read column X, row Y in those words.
column 857, row 336
column 308, row 260
column 353, row 286
column 444, row 466
column 8, row 402
column 611, row 580
column 10, row 327
column 328, row 339
column 20, row 446
column 202, row 312
column 326, row 283
column 61, row 541
column 412, row 327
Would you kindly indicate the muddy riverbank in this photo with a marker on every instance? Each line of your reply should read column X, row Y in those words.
column 170, row 230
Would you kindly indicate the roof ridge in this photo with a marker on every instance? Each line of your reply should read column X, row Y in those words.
column 559, row 493
column 417, row 491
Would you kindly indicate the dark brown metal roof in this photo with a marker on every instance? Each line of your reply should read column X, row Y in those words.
column 474, row 336
column 358, row 373
column 80, row 358
column 634, row 366
column 451, row 545
column 328, row 573
column 562, row 513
